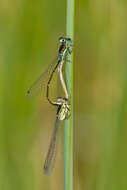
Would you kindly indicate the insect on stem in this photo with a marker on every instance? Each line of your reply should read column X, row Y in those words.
column 62, row 113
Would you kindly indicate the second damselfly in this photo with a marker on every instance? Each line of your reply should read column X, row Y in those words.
column 63, row 112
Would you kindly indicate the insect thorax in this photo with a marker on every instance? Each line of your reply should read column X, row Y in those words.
column 63, row 111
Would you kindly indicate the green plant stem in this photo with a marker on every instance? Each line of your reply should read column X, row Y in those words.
column 68, row 129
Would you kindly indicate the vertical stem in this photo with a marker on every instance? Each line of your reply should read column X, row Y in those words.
column 68, row 129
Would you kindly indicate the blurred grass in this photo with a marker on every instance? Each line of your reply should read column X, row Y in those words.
column 28, row 43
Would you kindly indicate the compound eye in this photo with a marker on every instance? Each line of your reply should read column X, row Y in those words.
column 61, row 39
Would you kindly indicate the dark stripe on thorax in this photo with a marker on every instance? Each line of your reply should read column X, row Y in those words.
column 62, row 48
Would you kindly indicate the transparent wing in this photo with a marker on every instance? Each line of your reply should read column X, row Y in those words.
column 39, row 84
column 51, row 155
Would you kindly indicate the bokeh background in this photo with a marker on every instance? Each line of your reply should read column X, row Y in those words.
column 29, row 32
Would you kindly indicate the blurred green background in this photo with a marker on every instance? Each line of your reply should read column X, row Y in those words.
column 29, row 32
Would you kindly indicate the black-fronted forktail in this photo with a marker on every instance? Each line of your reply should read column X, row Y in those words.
column 65, row 48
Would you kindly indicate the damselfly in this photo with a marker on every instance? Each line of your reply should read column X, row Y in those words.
column 63, row 112
column 62, row 104
column 65, row 48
